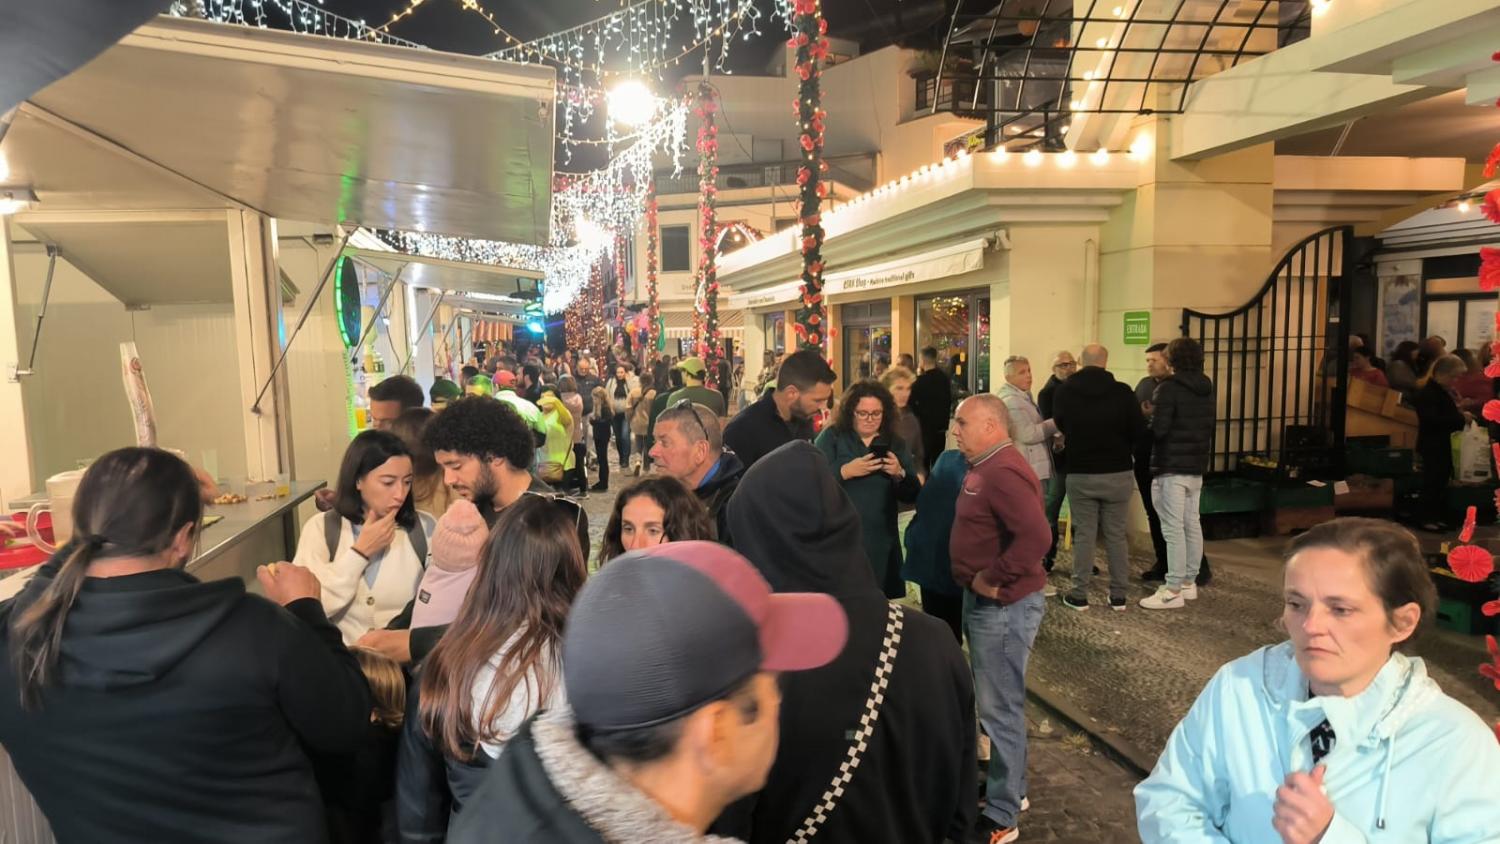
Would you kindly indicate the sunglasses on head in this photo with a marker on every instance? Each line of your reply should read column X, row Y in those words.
column 693, row 409
column 560, row 498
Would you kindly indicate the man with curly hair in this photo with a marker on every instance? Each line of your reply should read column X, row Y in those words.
column 486, row 450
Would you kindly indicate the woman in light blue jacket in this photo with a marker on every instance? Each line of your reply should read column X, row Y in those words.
column 1334, row 736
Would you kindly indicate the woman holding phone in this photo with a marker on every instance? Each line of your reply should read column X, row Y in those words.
column 876, row 468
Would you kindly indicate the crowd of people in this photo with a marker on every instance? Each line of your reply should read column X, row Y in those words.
column 442, row 660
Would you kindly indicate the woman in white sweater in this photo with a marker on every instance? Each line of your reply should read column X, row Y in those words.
column 368, row 564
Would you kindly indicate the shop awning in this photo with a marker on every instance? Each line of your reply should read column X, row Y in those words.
column 186, row 114
column 458, row 277
column 953, row 258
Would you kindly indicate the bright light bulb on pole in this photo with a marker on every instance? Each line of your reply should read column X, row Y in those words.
column 631, row 103
column 590, row 235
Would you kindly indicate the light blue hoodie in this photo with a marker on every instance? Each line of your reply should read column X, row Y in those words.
column 1409, row 764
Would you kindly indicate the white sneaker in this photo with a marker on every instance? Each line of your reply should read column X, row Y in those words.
column 1190, row 591
column 1164, row 599
column 1049, row 591
column 1025, row 804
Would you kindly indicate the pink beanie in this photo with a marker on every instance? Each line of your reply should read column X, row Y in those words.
column 459, row 536
column 456, row 544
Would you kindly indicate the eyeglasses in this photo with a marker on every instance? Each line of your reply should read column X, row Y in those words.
column 693, row 409
column 868, row 415
column 1067, row 364
column 560, row 498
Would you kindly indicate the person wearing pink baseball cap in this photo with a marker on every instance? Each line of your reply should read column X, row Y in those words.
column 670, row 660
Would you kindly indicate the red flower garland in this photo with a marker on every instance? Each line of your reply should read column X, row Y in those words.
column 653, row 309
column 706, row 339
column 812, row 48
column 620, row 282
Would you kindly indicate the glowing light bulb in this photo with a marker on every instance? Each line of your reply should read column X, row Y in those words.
column 1141, row 148
column 1464, row 206
column 999, row 156
column 1102, row 43
column 1100, row 157
column 1067, row 159
column 1088, row 76
column 1119, row 11
column 1075, row 105
column 1033, row 158
column 631, row 103
column 1320, row 6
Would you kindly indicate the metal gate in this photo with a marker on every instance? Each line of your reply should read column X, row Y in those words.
column 1280, row 362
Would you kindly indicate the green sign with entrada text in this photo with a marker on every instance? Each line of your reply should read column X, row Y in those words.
column 1137, row 328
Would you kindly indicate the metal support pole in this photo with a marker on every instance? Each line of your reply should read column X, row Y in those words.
column 423, row 330
column 384, row 297
column 306, row 309
column 36, row 339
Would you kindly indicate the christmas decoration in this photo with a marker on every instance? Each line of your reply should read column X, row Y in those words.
column 620, row 253
column 811, row 44
column 709, row 346
column 293, row 15
column 1471, row 563
column 653, row 306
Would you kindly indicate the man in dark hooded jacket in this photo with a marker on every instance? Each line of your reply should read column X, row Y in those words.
column 909, row 716
column 1182, row 428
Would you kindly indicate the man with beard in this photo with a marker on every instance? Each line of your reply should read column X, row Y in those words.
column 804, row 386
column 878, row 746
column 486, row 450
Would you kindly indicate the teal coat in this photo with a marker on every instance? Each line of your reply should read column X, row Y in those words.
column 875, row 498
column 927, row 562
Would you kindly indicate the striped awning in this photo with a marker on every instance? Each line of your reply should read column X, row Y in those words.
column 490, row 331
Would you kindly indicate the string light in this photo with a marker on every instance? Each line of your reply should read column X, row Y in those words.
column 297, row 15
column 1033, row 158
column 1100, row 157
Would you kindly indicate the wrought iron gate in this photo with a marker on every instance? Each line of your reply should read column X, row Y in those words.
column 1280, row 363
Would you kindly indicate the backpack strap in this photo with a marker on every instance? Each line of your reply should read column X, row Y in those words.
column 333, row 526
column 895, row 620
column 418, row 538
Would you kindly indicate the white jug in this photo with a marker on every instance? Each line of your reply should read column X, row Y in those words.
column 60, row 491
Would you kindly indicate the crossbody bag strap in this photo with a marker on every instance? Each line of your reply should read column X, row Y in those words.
column 895, row 619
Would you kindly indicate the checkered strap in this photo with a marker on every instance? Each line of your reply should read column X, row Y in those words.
column 867, row 719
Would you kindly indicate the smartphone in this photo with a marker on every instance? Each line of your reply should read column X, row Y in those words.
column 880, row 450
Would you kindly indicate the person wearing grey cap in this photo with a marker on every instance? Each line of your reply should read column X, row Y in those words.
column 670, row 661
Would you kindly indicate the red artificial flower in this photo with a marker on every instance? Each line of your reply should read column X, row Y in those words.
column 1495, row 56
column 803, row 40
column 822, row 189
column 1489, row 270
column 1491, row 608
column 1491, row 206
column 804, row 70
column 1468, row 530
column 1492, row 411
column 1471, row 563
column 815, row 267
column 805, row 7
column 803, row 174
column 1492, row 162
column 814, row 320
column 814, row 339
column 1491, row 669
column 823, row 27
column 812, row 219
column 807, row 143
column 808, row 243
column 817, row 125
column 833, row 332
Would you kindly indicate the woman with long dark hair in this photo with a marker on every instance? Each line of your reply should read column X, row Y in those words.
column 363, row 550
column 181, row 708
column 1403, row 370
column 429, row 494
column 481, row 683
column 876, row 468
column 652, row 511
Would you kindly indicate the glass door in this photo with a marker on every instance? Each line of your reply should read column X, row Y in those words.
column 867, row 340
column 958, row 326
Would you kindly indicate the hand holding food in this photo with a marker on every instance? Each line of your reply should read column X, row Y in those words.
column 284, row 583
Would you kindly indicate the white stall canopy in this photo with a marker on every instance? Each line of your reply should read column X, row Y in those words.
column 187, row 114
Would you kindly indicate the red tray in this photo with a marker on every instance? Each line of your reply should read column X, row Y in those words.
column 25, row 554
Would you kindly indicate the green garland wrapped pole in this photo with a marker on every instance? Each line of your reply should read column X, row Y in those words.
column 709, row 345
column 811, row 43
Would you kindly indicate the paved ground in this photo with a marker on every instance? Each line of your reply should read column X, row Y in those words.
column 1134, row 674
column 1077, row 794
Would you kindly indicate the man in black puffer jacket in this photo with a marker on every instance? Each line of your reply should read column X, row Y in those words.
column 1182, row 424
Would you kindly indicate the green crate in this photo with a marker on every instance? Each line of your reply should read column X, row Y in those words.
column 1232, row 495
column 1379, row 462
column 1306, row 495
column 1461, row 617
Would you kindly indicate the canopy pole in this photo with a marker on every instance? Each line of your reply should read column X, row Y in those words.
column 423, row 330
column 384, row 297
column 36, row 339
column 306, row 310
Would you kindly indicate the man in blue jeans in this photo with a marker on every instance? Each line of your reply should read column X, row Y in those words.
column 1000, row 534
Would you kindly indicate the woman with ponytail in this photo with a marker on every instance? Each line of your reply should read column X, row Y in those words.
column 140, row 704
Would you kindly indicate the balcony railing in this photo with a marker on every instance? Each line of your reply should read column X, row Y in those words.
column 856, row 172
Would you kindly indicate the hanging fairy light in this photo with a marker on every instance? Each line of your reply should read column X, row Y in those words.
column 294, row 15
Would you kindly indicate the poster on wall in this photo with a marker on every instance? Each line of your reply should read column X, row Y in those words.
column 1479, row 323
column 141, row 411
column 1400, row 311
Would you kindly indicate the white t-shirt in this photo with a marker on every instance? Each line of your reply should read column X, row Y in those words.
column 538, row 691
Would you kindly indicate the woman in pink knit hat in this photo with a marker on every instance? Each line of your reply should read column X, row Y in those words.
column 456, row 545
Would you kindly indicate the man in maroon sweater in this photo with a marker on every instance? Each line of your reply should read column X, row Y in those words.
column 1000, row 535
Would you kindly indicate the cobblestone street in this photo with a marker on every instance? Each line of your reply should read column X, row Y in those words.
column 1078, row 794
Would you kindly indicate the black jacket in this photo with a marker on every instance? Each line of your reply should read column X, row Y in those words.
column 932, row 399
column 1183, row 413
column 184, row 711
column 1044, row 399
column 916, row 779
column 431, row 788
column 716, row 493
column 1099, row 420
column 546, row 788
column 1438, row 417
column 759, row 429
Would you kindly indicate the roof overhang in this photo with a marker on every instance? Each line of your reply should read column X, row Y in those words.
column 190, row 114
column 960, row 199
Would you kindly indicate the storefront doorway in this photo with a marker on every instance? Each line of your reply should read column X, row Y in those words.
column 958, row 326
column 867, row 340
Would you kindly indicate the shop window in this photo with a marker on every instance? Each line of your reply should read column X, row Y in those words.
column 958, row 326
column 676, row 249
